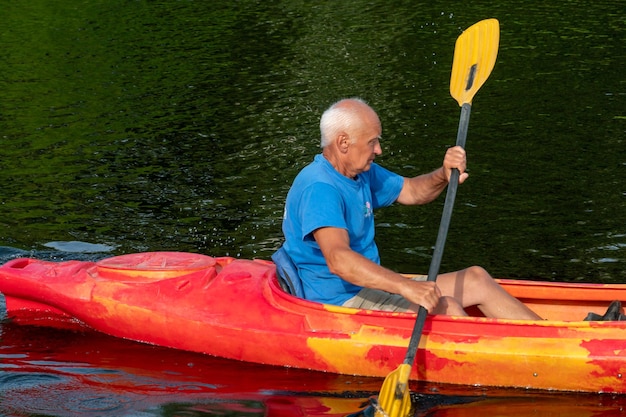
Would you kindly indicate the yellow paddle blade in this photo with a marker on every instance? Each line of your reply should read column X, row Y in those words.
column 394, row 399
column 475, row 55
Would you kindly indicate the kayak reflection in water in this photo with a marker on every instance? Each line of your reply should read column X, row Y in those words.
column 329, row 227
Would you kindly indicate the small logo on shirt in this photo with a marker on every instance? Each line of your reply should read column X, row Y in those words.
column 367, row 210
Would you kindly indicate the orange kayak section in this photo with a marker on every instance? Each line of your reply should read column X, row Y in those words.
column 235, row 309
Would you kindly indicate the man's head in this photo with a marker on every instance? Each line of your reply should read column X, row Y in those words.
column 351, row 132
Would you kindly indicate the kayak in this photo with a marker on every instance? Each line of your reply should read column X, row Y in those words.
column 237, row 309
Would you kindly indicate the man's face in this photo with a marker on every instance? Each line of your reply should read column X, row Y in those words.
column 365, row 144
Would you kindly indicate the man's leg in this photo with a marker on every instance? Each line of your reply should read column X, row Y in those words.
column 474, row 286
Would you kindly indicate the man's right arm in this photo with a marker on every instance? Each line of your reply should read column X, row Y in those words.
column 358, row 270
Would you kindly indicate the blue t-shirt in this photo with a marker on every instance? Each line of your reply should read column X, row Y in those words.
column 322, row 197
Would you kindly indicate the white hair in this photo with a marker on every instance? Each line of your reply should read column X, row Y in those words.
column 337, row 119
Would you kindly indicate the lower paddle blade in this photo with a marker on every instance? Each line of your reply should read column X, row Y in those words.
column 394, row 399
column 475, row 55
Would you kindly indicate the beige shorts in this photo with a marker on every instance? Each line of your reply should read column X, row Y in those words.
column 370, row 299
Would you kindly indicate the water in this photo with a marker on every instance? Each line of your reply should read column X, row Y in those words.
column 179, row 125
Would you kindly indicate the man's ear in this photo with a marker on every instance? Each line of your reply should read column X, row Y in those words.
column 343, row 142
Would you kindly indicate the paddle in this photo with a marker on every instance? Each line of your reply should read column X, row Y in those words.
column 475, row 54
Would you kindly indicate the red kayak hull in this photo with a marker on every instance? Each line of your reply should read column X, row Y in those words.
column 236, row 309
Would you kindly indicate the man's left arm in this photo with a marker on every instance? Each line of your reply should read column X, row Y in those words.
column 426, row 187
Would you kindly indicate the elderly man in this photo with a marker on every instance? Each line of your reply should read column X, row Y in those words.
column 329, row 226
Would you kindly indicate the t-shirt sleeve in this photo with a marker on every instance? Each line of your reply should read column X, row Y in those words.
column 385, row 186
column 321, row 206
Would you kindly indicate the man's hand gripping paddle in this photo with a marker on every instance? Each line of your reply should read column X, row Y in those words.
column 475, row 54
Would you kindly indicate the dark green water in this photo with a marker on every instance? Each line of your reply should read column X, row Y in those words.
column 179, row 125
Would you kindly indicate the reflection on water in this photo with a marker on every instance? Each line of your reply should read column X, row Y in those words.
column 48, row 372
column 52, row 372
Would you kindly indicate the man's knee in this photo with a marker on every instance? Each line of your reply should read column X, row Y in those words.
column 478, row 275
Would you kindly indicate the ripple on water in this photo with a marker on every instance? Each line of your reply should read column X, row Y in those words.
column 34, row 394
column 13, row 381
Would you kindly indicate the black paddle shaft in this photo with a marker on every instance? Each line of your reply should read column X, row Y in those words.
column 441, row 236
